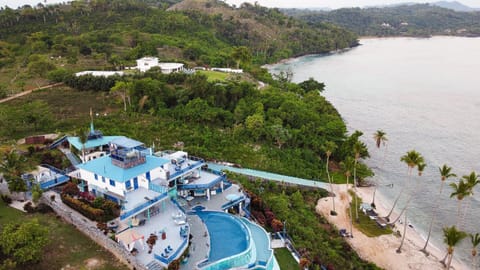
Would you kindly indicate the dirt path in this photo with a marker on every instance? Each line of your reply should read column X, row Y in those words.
column 21, row 94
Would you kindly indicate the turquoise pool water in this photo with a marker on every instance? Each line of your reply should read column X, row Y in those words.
column 228, row 235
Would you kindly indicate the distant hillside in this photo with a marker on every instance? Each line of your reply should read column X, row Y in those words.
column 112, row 34
column 454, row 5
column 403, row 20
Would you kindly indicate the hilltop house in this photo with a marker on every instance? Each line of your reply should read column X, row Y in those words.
column 146, row 63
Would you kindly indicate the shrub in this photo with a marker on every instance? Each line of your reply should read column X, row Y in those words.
column 276, row 225
column 6, row 199
column 43, row 208
column 83, row 208
column 70, row 189
column 29, row 207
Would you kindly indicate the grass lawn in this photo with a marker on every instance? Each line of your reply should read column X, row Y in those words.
column 285, row 259
column 214, row 75
column 68, row 247
column 366, row 225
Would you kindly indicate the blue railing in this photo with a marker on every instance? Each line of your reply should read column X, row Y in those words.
column 169, row 259
column 142, row 207
column 232, row 203
column 188, row 168
column 203, row 186
column 57, row 142
column 54, row 169
column 57, row 181
column 157, row 188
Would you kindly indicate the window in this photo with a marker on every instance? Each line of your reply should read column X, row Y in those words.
column 112, row 182
column 128, row 185
column 96, row 176
column 103, row 179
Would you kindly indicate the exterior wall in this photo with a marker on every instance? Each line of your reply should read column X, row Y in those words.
column 145, row 64
column 119, row 188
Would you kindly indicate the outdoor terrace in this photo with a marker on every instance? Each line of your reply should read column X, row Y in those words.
column 139, row 200
column 168, row 221
column 204, row 180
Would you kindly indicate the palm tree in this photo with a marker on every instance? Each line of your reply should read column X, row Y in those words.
column 412, row 158
column 421, row 166
column 380, row 139
column 475, row 240
column 471, row 180
column 12, row 165
column 445, row 173
column 460, row 191
column 329, row 148
column 357, row 149
column 83, row 138
column 347, row 166
column 452, row 237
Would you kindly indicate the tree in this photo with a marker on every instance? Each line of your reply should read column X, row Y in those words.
column 445, row 173
column 412, row 158
column 471, row 180
column 123, row 90
column 357, row 150
column 241, row 55
column 280, row 134
column 329, row 149
column 24, row 242
column 312, row 85
column 452, row 237
column 421, row 166
column 460, row 191
column 83, row 138
column 36, row 193
column 475, row 240
column 12, row 165
column 347, row 166
column 380, row 139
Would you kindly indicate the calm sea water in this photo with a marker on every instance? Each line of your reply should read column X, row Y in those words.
column 425, row 94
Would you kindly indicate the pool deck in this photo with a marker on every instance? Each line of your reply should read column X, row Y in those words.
column 162, row 222
column 200, row 247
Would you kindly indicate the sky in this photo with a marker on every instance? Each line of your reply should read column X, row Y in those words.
column 280, row 3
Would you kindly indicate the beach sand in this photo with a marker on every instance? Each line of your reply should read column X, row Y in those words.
column 382, row 250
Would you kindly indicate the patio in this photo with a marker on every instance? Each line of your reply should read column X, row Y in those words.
column 167, row 226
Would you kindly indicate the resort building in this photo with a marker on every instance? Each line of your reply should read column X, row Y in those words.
column 99, row 73
column 171, row 197
column 146, row 63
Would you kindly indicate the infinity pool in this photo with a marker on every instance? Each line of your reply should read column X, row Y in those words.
column 228, row 235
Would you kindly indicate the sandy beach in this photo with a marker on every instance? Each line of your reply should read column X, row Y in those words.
column 382, row 250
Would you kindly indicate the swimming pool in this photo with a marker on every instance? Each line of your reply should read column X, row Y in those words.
column 228, row 235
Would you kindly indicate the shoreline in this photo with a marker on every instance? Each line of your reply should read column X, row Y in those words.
column 382, row 250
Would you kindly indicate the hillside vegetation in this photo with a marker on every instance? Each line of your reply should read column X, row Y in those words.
column 112, row 34
column 405, row 20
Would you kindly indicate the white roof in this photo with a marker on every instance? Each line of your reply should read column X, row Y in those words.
column 99, row 73
column 170, row 65
column 148, row 58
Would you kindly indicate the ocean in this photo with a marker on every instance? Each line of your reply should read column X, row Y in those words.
column 425, row 94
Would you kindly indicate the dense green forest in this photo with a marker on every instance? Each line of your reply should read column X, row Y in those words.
column 276, row 125
column 112, row 34
column 404, row 20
